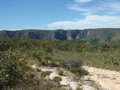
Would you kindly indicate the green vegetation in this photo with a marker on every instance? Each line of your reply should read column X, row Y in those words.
column 10, row 69
column 57, row 79
column 45, row 73
column 78, row 71
column 61, row 72
column 17, row 57
column 79, row 89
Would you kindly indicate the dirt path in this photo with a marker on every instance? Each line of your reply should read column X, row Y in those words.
column 108, row 80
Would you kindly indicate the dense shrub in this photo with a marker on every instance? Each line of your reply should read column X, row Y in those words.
column 61, row 72
column 78, row 71
column 57, row 79
column 45, row 73
column 10, row 69
column 53, row 64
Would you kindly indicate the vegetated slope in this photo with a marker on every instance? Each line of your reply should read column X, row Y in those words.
column 94, row 35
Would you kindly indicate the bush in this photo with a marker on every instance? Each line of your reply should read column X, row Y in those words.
column 79, row 89
column 61, row 72
column 44, row 63
column 36, row 84
column 11, row 71
column 38, row 70
column 73, row 62
column 57, row 79
column 45, row 73
column 115, row 63
column 36, row 55
column 78, row 71
column 53, row 64
column 48, row 58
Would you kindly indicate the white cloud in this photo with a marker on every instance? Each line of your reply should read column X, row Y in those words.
column 82, row 1
column 115, row 6
column 105, row 7
column 90, row 21
column 103, row 14
column 77, row 8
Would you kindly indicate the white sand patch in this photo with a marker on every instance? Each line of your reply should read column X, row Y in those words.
column 87, row 87
column 73, row 85
column 107, row 79
column 34, row 66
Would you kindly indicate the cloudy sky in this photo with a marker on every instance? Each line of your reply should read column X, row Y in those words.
column 59, row 14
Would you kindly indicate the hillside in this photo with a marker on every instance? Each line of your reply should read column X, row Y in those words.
column 95, row 35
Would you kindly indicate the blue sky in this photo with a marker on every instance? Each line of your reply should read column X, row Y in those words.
column 56, row 14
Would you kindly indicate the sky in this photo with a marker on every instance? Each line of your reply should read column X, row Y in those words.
column 59, row 14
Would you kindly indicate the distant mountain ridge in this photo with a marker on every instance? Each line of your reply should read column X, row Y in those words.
column 103, row 34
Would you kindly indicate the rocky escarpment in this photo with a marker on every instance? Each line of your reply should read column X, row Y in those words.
column 95, row 35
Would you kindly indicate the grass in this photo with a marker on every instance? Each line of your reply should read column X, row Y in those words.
column 106, row 60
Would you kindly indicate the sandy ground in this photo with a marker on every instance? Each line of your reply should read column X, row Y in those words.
column 108, row 80
column 87, row 87
column 66, row 80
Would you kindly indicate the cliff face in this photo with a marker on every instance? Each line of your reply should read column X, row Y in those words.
column 91, row 34
column 44, row 34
